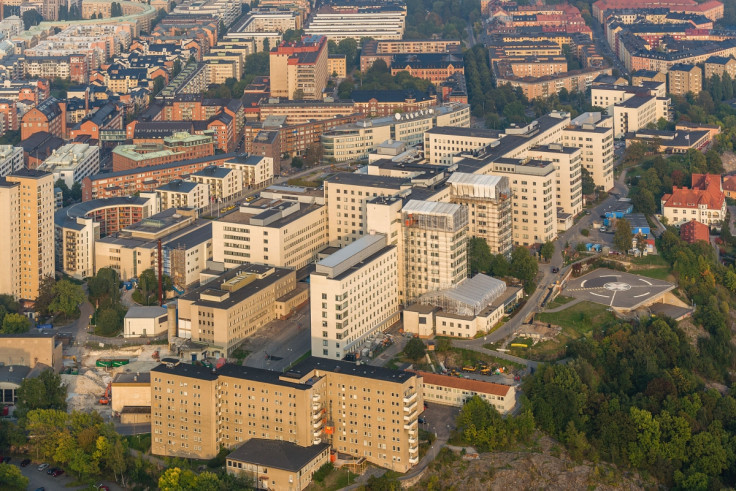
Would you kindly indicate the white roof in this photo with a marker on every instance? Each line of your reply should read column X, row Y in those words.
column 431, row 208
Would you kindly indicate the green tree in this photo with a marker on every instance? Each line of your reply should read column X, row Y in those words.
column 499, row 266
column 15, row 324
column 45, row 294
column 298, row 95
column 415, row 349
column 176, row 479
column 31, row 18
column 67, row 297
column 622, row 235
column 345, row 89
column 524, row 267
column 547, row 250
column 643, row 201
column 479, row 256
column 12, row 479
column 109, row 321
column 43, row 392
column 104, row 287
column 587, row 181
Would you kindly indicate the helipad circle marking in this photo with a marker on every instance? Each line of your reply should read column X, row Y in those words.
column 617, row 286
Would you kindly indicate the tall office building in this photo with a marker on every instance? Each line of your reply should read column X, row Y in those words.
column 27, row 230
column 353, row 294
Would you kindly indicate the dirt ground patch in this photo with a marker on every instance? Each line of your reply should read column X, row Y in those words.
column 546, row 466
column 729, row 162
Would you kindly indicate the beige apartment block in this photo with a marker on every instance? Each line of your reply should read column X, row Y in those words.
column 568, row 175
column 488, row 199
column 280, row 233
column 75, row 245
column 443, row 143
column 435, row 246
column 223, row 183
column 27, row 228
column 718, row 65
column 255, row 170
column 354, row 295
column 533, row 198
column 183, row 194
column 683, row 78
column 363, row 411
column 132, row 395
column 637, row 112
column 347, row 195
column 593, row 134
column 224, row 312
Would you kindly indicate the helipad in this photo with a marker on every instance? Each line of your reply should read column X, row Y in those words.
column 619, row 290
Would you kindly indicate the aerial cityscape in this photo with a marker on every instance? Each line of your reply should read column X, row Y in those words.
column 367, row 244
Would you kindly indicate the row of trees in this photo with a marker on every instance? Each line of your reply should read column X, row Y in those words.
column 379, row 77
column 522, row 265
column 445, row 18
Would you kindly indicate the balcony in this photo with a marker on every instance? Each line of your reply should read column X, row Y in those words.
column 412, row 441
column 414, row 449
column 409, row 426
column 317, row 434
column 317, row 441
column 414, row 460
column 317, row 415
column 410, row 417
column 317, row 424
column 316, row 406
column 411, row 407
column 410, row 399
column 315, row 397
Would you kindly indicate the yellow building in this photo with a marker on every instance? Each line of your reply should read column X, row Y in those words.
column 685, row 78
column 367, row 412
column 31, row 348
column 299, row 70
column 132, row 397
column 454, row 391
column 224, row 312
column 337, row 66
column 27, row 228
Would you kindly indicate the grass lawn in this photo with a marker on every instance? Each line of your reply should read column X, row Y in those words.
column 650, row 260
column 337, row 479
column 575, row 322
column 581, row 317
column 559, row 301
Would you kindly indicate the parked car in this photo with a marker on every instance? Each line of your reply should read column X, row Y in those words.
column 51, row 470
column 422, row 420
column 603, row 229
column 57, row 473
column 6, row 460
column 42, row 467
column 41, row 489
column 25, row 462
column 102, row 487
column 555, row 270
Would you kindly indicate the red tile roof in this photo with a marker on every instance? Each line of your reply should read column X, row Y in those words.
column 729, row 183
column 694, row 231
column 706, row 190
column 464, row 384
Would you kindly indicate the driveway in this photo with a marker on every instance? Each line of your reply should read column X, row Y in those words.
column 281, row 342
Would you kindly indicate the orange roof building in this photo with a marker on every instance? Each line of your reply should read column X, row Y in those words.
column 694, row 231
column 705, row 202
column 455, row 391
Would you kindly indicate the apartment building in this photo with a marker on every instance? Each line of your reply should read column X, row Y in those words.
column 373, row 50
column 568, row 175
column 113, row 214
column 354, row 295
column 315, row 402
column 347, row 195
column 302, row 112
column 337, row 66
column 223, row 183
column 73, row 162
column 226, row 11
column 442, row 144
column 299, row 69
column 284, row 234
column 48, row 115
column 704, row 201
column 488, row 199
column 75, row 245
column 435, row 246
column 718, row 65
column 593, row 134
column 637, row 112
column 343, row 19
column 255, row 171
column 11, row 159
column 27, row 228
column 435, row 67
column 354, row 141
column 225, row 311
column 683, row 78
column 183, row 194
column 132, row 181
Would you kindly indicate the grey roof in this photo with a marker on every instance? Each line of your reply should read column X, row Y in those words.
column 145, row 312
column 277, row 454
column 13, row 374
column 153, row 168
column 178, row 186
column 193, row 238
column 338, row 366
column 365, row 180
column 214, row 171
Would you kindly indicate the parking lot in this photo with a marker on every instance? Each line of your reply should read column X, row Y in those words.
column 439, row 419
column 40, row 479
